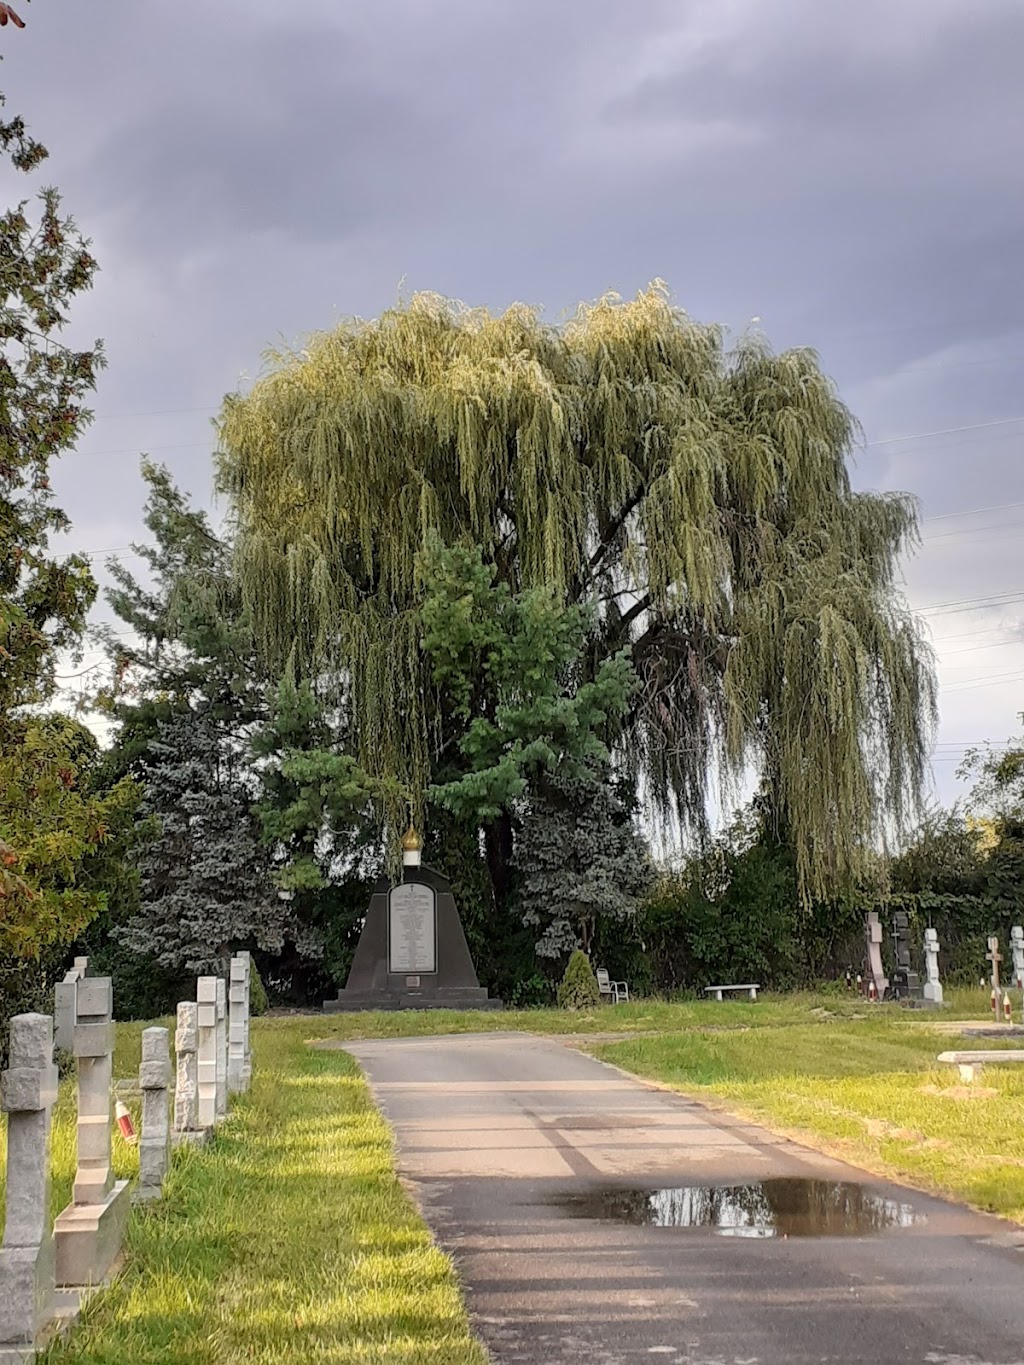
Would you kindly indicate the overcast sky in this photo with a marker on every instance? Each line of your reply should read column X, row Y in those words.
column 850, row 172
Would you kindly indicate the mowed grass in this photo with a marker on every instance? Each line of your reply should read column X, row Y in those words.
column 867, row 1090
column 287, row 1239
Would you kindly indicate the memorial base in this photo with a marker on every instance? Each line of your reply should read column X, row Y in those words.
column 26, row 1276
column 89, row 1236
column 454, row 998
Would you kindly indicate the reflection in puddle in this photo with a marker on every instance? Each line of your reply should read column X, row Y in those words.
column 768, row 1208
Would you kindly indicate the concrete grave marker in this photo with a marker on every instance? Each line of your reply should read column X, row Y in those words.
column 932, row 986
column 222, row 1048
column 1017, row 951
column 155, row 1142
column 206, row 1067
column 28, row 1090
column 88, row 1233
column 238, row 1024
column 65, row 996
column 873, row 937
column 186, row 1087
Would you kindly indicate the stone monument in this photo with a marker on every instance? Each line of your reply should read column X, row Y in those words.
column 412, row 952
column 88, row 1233
column 65, row 995
column 155, row 1142
column 933, row 986
column 222, row 1048
column 28, row 1090
column 1017, row 953
column 905, row 981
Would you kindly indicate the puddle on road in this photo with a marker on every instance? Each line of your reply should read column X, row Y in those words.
column 768, row 1208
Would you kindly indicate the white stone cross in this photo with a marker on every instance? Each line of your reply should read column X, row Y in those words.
column 28, row 1090
column 238, row 1024
column 222, row 1048
column 65, row 1005
column 186, row 1087
column 88, row 1233
column 1017, row 949
column 155, row 1142
column 206, row 997
column 933, row 986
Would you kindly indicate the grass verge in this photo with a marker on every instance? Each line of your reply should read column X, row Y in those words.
column 288, row 1239
column 866, row 1090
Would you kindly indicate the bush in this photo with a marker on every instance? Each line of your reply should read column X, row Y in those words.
column 257, row 992
column 578, row 989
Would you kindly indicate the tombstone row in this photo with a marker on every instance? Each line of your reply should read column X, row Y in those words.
column 213, row 1057
column 905, row 982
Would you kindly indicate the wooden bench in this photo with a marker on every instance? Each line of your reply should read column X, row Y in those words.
column 970, row 1063
column 618, row 990
column 719, row 991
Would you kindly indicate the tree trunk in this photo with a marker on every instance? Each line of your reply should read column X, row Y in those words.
column 498, row 845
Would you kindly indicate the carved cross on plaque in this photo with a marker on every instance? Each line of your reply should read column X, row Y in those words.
column 995, row 957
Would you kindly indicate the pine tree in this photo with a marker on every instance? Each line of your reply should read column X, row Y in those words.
column 206, row 886
column 579, row 860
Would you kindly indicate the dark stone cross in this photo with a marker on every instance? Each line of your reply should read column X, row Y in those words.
column 905, row 981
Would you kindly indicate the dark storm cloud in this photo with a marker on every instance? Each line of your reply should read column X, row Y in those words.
column 848, row 172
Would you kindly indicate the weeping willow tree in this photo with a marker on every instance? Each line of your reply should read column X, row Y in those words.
column 698, row 498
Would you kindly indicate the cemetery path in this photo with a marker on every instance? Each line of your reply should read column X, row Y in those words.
column 511, row 1142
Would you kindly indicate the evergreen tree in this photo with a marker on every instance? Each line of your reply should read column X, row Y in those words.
column 206, row 886
column 700, row 498
column 579, row 860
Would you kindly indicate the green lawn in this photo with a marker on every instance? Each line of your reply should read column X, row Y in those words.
column 867, row 1090
column 287, row 1240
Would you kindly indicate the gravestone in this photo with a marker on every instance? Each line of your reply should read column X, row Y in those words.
column 28, row 1091
column 88, row 1233
column 412, row 952
column 65, row 995
column 238, row 1024
column 1017, row 951
column 873, row 942
column 186, row 1085
column 932, row 986
column 206, row 1052
column 905, row 983
column 155, row 1141
column 222, row 1048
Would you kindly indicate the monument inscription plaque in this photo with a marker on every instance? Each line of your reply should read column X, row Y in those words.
column 412, row 929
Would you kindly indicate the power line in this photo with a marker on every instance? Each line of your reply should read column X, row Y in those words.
column 972, row 512
column 944, row 431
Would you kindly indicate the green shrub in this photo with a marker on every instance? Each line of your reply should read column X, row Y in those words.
column 578, row 989
column 257, row 992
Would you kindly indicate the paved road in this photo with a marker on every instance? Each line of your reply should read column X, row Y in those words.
column 494, row 1131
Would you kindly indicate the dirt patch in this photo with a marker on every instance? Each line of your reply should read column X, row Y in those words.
column 959, row 1092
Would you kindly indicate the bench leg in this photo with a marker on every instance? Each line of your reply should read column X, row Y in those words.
column 752, row 992
column 969, row 1072
column 718, row 995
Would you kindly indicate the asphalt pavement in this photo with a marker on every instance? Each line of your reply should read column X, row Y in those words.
column 538, row 1170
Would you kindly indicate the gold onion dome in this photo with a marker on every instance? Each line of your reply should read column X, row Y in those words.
column 411, row 841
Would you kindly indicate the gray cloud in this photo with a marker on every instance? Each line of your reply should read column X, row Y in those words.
column 849, row 173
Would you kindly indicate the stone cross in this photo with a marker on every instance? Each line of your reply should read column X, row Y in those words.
column 186, row 1088
column 995, row 957
column 222, row 1048
column 873, row 934
column 1017, row 949
column 28, row 1090
column 238, row 1024
column 88, row 1233
column 206, row 997
column 65, row 1009
column 155, row 1142
column 932, row 986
